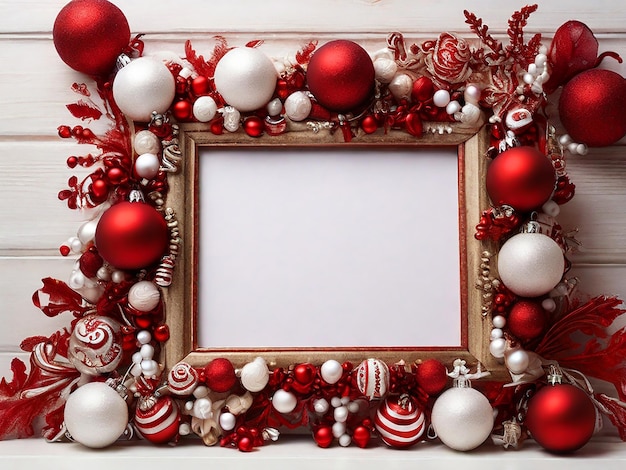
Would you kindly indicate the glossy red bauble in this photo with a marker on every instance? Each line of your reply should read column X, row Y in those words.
column 89, row 35
column 561, row 418
column 520, row 177
column 361, row 436
column 220, row 375
column 527, row 320
column 131, row 235
column 592, row 107
column 254, row 126
column 340, row 75
column 323, row 436
column 432, row 376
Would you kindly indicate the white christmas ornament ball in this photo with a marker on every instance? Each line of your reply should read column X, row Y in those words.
column 144, row 296
column 95, row 415
column 298, row 106
column 441, row 98
column 255, row 375
column 147, row 165
column 385, row 69
column 228, row 421
column 204, row 108
column 517, row 361
column 284, row 401
column 530, row 264
column 331, row 371
column 142, row 87
column 462, row 418
column 246, row 78
column 146, row 142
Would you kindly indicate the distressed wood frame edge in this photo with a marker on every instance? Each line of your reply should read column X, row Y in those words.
column 180, row 298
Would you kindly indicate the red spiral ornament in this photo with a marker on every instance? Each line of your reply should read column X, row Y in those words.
column 400, row 422
column 157, row 419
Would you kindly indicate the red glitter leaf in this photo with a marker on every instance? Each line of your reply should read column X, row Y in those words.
column 56, row 297
column 84, row 111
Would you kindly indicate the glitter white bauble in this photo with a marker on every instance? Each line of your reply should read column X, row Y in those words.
column 462, row 418
column 147, row 165
column 95, row 415
column 284, row 401
column 331, row 371
column 146, row 142
column 530, row 264
column 144, row 296
column 298, row 106
column 204, row 108
column 255, row 375
column 246, row 78
column 143, row 86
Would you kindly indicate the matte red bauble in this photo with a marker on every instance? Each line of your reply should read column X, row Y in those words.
column 220, row 375
column 561, row 418
column 89, row 35
column 131, row 235
column 520, row 177
column 527, row 320
column 592, row 107
column 340, row 75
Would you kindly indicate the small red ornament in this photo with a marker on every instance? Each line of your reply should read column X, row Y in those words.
column 340, row 75
column 304, row 375
column 254, row 126
column 89, row 263
column 561, row 418
column 182, row 110
column 369, row 124
column 323, row 436
column 400, row 422
column 131, row 235
column 432, row 376
column 520, row 177
column 527, row 320
column 423, row 90
column 89, row 35
column 361, row 436
column 245, row 444
column 157, row 419
column 220, row 375
column 592, row 106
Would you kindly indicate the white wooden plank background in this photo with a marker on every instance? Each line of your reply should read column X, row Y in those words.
column 34, row 89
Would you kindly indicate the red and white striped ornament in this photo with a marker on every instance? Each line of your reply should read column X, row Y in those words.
column 157, row 419
column 372, row 378
column 400, row 422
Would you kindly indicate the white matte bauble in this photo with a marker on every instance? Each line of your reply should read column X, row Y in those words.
column 144, row 296
column 146, row 142
column 255, row 375
column 401, row 86
column 284, row 401
column 331, row 371
column 530, row 264
column 228, row 421
column 204, row 108
column 142, row 87
column 298, row 106
column 147, row 165
column 246, row 78
column 462, row 418
column 385, row 69
column 95, row 415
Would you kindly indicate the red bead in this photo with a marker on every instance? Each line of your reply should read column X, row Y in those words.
column 116, row 176
column 99, row 190
column 64, row 250
column 414, row 124
column 254, row 126
column 340, row 75
column 323, row 436
column 527, row 320
column 521, row 177
column 369, row 124
column 182, row 110
column 304, row 373
column 423, row 90
column 143, row 322
column 89, row 263
column 131, row 235
column 162, row 333
column 361, row 436
column 591, row 107
column 72, row 162
column 200, row 85
column 431, row 376
column 220, row 375
column 245, row 444
column 89, row 35
column 561, row 418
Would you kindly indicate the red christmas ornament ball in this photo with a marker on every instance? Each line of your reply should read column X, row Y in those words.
column 323, row 436
column 400, row 422
column 431, row 376
column 592, row 106
column 527, row 320
column 220, row 375
column 131, row 235
column 340, row 75
column 520, row 177
column 89, row 35
column 561, row 418
column 158, row 422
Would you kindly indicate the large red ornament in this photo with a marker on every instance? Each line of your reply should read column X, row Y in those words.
column 340, row 75
column 89, row 35
column 561, row 418
column 520, row 177
column 400, row 422
column 592, row 107
column 131, row 235
column 527, row 320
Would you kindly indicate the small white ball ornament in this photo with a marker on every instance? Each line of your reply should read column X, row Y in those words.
column 95, row 415
column 441, row 98
column 385, row 69
column 462, row 418
column 284, row 401
column 255, row 375
column 517, row 361
column 142, row 87
column 246, row 78
column 530, row 264
column 147, row 165
column 144, row 296
column 400, row 86
column 204, row 109
column 331, row 371
column 298, row 106
column 146, row 142
column 228, row 421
